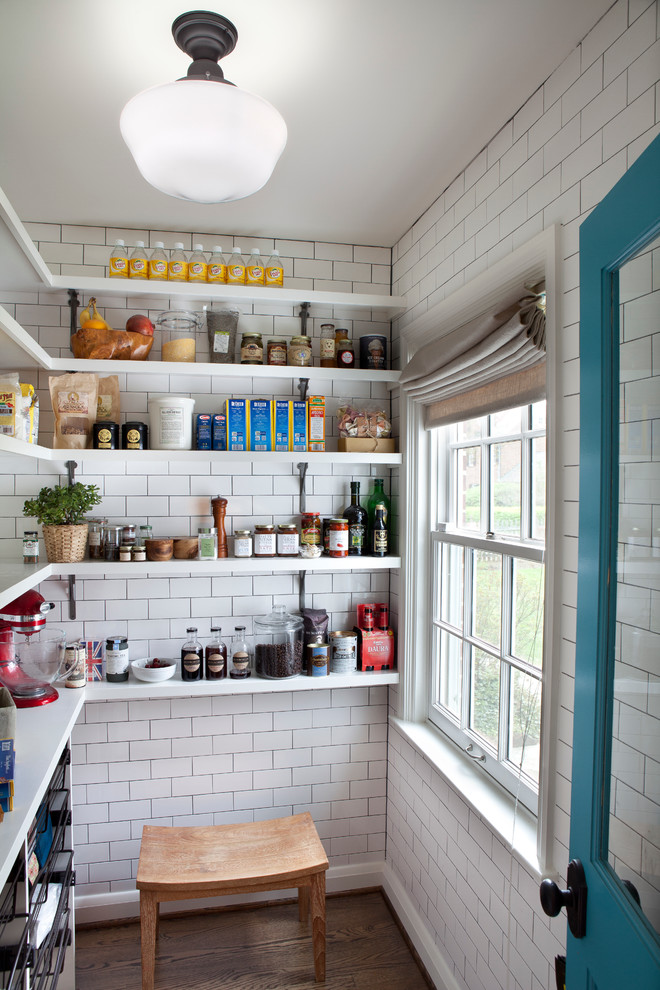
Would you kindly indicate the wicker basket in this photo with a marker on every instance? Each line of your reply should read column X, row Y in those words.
column 65, row 544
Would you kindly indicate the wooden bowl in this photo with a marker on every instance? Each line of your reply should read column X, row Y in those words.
column 161, row 548
column 186, row 547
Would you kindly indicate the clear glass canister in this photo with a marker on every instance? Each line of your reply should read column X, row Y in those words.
column 278, row 641
column 300, row 352
column 178, row 335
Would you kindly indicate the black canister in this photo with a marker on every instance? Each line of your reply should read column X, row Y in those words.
column 105, row 435
column 135, row 436
column 373, row 351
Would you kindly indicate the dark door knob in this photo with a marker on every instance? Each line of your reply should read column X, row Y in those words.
column 574, row 898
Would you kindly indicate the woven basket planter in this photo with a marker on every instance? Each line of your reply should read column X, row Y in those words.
column 65, row 544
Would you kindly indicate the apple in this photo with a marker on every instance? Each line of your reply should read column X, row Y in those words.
column 140, row 324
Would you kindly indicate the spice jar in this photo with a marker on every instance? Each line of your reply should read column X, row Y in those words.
column 139, row 552
column 128, row 533
column 111, row 542
column 242, row 543
column 207, row 537
column 278, row 648
column 288, row 541
column 252, row 348
column 30, row 546
column 276, row 351
column 345, row 354
column 265, row 544
column 338, row 538
column 125, row 552
column 311, row 528
column 299, row 353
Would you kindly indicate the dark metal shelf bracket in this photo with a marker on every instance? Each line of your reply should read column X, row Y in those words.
column 303, row 386
column 72, row 596
column 74, row 302
column 304, row 314
column 71, row 471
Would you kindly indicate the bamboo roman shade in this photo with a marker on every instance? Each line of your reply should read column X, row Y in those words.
column 494, row 362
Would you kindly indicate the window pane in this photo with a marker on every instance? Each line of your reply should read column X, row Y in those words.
column 485, row 696
column 487, row 597
column 525, row 723
column 539, row 415
column 451, row 585
column 469, row 430
column 527, row 611
column 449, row 650
column 468, row 488
column 538, row 488
column 503, row 424
column 505, row 488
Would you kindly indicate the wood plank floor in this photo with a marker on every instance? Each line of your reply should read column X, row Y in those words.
column 261, row 948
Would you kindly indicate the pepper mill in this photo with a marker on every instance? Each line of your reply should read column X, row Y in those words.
column 219, row 509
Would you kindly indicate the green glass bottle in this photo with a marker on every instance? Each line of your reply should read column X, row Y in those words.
column 357, row 523
column 378, row 508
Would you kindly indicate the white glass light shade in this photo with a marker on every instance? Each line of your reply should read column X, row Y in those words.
column 204, row 141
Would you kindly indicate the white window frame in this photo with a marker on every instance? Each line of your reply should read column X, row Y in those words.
column 447, row 532
column 491, row 290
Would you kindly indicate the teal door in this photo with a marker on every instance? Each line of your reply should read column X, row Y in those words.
column 615, row 797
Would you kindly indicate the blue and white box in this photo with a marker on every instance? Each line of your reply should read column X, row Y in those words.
column 298, row 425
column 281, row 424
column 237, row 424
column 261, row 425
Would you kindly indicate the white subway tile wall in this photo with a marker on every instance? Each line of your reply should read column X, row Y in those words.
column 213, row 761
column 560, row 154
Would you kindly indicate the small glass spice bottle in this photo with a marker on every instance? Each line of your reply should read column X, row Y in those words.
column 242, row 543
column 265, row 543
column 207, row 537
column 288, row 540
column 126, row 551
column 139, row 552
column 30, row 546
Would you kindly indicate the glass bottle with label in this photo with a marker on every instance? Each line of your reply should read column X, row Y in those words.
column 30, row 546
column 357, row 523
column 240, row 655
column 215, row 656
column 236, row 268
column 116, row 659
column 177, row 266
column 254, row 272
column 157, row 267
column 191, row 657
column 345, row 354
column 137, row 263
column 328, row 347
column 217, row 269
column 207, row 539
column 197, row 264
column 118, row 263
column 273, row 272
column 379, row 512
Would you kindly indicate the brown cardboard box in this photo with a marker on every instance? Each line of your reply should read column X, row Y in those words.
column 366, row 445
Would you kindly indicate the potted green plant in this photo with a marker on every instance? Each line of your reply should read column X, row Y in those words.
column 61, row 510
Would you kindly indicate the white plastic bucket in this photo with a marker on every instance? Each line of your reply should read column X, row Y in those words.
column 170, row 422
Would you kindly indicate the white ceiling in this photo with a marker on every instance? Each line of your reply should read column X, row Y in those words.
column 385, row 102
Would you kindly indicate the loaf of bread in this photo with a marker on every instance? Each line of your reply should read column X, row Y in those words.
column 118, row 345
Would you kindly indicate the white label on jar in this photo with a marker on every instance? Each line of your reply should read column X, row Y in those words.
column 171, row 425
column 327, row 347
column 31, row 548
column 264, row 544
column 221, row 342
column 116, row 661
column 338, row 542
column 288, row 544
column 94, row 537
column 243, row 546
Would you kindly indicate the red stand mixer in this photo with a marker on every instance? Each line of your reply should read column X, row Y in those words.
column 30, row 657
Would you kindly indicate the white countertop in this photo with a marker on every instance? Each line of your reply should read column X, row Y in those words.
column 40, row 735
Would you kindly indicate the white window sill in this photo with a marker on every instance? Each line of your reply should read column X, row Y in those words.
column 516, row 827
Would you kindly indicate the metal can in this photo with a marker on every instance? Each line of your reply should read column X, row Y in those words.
column 252, row 348
column 135, row 436
column 105, row 435
column 317, row 659
column 343, row 651
column 311, row 529
column 75, row 658
column 288, row 540
column 299, row 353
column 373, row 351
column 338, row 538
column 276, row 351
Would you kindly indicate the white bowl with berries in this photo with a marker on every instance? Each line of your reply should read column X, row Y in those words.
column 155, row 669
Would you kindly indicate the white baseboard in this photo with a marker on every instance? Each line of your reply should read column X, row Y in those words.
column 418, row 933
column 125, row 904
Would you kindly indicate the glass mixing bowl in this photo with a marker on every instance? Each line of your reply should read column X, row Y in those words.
column 42, row 655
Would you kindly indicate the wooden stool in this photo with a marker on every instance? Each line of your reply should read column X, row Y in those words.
column 205, row 861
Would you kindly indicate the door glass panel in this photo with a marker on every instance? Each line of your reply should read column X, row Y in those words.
column 632, row 831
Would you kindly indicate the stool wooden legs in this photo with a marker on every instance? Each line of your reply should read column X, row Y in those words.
column 318, row 925
column 303, row 903
column 148, row 935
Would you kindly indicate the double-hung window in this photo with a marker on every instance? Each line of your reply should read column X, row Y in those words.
column 488, row 587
